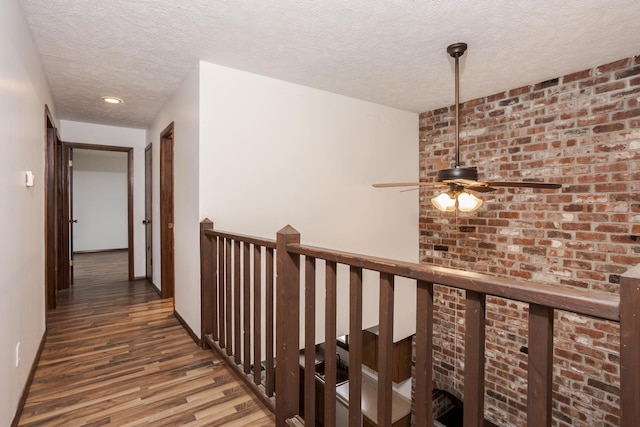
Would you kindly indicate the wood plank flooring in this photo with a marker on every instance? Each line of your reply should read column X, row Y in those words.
column 116, row 355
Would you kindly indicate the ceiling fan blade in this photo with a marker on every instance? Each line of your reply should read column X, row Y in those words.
column 481, row 188
column 524, row 184
column 407, row 184
column 464, row 182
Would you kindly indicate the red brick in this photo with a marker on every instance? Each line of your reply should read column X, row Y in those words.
column 593, row 120
column 626, row 114
column 519, row 91
column 580, row 75
column 594, row 81
column 613, row 66
column 608, row 128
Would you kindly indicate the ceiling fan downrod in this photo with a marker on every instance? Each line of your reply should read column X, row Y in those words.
column 456, row 50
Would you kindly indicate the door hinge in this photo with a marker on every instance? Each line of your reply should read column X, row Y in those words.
column 70, row 163
column 70, row 263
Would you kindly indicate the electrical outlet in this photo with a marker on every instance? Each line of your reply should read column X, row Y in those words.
column 18, row 354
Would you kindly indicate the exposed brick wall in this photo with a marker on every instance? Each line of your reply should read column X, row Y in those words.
column 583, row 131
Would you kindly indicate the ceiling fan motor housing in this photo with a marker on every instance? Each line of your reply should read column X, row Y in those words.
column 458, row 173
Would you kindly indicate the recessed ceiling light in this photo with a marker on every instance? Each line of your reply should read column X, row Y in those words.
column 112, row 100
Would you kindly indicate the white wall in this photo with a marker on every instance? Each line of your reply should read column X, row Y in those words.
column 89, row 133
column 182, row 109
column 274, row 153
column 23, row 94
column 100, row 202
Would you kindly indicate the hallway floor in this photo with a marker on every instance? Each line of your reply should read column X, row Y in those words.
column 116, row 355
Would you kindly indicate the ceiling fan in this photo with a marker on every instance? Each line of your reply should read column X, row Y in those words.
column 458, row 179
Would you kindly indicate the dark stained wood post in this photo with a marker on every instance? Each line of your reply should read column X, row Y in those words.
column 257, row 314
column 309, row 340
column 540, row 369
column 385, row 349
column 246, row 308
column 630, row 347
column 474, row 360
column 207, row 283
column 222, row 274
column 237, row 343
column 355, row 347
column 424, row 355
column 287, row 326
column 269, row 320
column 228, row 314
column 330, row 344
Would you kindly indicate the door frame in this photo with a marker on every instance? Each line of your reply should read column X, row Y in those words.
column 148, row 212
column 129, row 151
column 167, row 238
column 50, row 210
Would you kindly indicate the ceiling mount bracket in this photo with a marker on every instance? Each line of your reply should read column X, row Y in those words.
column 456, row 50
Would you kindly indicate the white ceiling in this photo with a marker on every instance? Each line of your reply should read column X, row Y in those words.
column 391, row 52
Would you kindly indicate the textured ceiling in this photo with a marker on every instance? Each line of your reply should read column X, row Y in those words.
column 391, row 52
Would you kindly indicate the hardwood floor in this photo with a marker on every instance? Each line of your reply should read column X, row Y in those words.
column 116, row 355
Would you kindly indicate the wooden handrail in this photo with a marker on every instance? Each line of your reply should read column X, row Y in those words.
column 267, row 243
column 591, row 303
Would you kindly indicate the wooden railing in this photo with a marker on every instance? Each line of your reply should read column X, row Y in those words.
column 542, row 299
column 233, row 282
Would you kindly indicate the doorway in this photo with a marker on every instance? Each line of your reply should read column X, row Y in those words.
column 148, row 212
column 109, row 208
column 167, row 266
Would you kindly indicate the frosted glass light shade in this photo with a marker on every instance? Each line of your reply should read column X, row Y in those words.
column 468, row 202
column 444, row 202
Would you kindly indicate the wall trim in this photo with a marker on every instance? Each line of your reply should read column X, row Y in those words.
column 184, row 324
column 154, row 287
column 27, row 385
column 95, row 251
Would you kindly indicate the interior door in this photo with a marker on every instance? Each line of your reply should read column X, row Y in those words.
column 148, row 212
column 166, row 213
column 51, row 234
column 69, row 204
column 64, row 260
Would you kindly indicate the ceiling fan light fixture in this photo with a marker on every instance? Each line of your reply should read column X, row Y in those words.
column 449, row 201
column 467, row 202
column 445, row 202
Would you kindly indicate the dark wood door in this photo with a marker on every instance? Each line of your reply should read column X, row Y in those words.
column 148, row 213
column 62, row 186
column 68, row 221
column 166, row 212
column 51, row 242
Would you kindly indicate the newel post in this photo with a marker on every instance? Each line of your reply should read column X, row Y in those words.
column 287, row 326
column 630, row 347
column 207, row 282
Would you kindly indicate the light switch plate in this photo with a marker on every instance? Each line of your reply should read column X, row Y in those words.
column 29, row 179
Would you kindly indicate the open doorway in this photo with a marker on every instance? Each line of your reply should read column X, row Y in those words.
column 100, row 207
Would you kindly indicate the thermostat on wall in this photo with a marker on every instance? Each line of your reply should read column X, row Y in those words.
column 29, row 179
